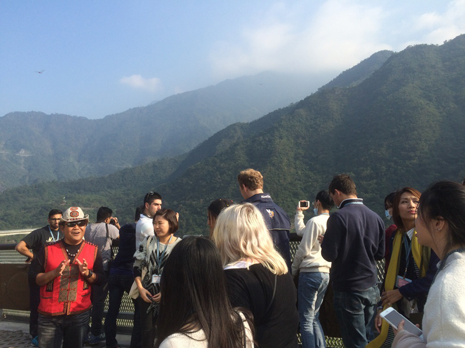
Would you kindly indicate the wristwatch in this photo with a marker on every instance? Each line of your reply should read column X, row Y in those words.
column 90, row 274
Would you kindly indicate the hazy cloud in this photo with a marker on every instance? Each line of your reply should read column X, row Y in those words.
column 303, row 37
column 137, row 81
column 443, row 26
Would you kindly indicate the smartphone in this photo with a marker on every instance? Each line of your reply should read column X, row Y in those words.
column 393, row 317
column 304, row 204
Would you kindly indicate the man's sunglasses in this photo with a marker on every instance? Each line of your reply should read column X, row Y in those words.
column 79, row 223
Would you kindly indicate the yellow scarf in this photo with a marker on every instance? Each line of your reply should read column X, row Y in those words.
column 418, row 253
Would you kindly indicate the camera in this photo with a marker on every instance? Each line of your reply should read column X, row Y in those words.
column 113, row 221
column 304, row 204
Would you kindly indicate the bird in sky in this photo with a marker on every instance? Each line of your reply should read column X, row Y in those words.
column 40, row 72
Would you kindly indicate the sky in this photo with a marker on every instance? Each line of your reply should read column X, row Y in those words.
column 97, row 58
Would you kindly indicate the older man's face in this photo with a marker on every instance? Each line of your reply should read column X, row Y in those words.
column 74, row 231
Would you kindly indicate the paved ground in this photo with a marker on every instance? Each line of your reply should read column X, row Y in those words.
column 16, row 335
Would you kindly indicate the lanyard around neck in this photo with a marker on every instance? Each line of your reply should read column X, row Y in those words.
column 160, row 258
column 408, row 250
column 51, row 233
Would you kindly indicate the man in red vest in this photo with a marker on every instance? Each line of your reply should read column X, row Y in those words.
column 65, row 270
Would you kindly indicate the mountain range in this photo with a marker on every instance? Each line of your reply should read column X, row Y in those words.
column 401, row 125
column 35, row 147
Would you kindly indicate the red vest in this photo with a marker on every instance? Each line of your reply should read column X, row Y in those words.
column 70, row 292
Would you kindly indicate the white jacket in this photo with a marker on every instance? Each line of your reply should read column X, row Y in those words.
column 444, row 318
column 308, row 256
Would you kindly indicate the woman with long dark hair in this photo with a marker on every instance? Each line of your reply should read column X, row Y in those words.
column 440, row 225
column 195, row 310
column 411, row 266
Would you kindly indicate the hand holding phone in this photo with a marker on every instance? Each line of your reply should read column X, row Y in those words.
column 303, row 205
column 393, row 317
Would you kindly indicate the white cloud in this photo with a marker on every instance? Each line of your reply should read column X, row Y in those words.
column 301, row 38
column 443, row 26
column 152, row 85
column 307, row 36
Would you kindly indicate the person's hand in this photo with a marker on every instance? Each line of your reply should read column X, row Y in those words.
column 400, row 327
column 157, row 297
column 320, row 238
column 145, row 295
column 83, row 267
column 390, row 297
column 378, row 321
column 61, row 267
column 116, row 222
column 29, row 260
column 177, row 216
column 299, row 208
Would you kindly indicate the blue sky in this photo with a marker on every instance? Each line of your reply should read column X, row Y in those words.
column 103, row 57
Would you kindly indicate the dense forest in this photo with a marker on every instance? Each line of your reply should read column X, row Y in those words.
column 401, row 126
column 35, row 147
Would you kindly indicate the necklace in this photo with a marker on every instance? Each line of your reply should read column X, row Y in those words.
column 70, row 254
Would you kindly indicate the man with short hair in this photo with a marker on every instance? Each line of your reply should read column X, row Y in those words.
column 65, row 271
column 144, row 227
column 276, row 219
column 102, row 233
column 35, row 241
column 354, row 240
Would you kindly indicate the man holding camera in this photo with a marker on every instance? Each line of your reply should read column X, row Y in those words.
column 102, row 233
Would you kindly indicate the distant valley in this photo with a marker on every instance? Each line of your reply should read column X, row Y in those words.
column 35, row 147
column 395, row 123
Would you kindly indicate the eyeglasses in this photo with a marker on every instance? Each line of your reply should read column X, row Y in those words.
column 74, row 223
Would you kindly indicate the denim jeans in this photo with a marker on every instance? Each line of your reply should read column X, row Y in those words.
column 312, row 289
column 354, row 313
column 147, row 324
column 99, row 294
column 117, row 285
column 67, row 329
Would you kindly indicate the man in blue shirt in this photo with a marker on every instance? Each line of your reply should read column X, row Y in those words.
column 276, row 219
column 354, row 240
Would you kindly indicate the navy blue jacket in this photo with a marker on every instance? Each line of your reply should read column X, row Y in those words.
column 354, row 240
column 124, row 260
column 277, row 222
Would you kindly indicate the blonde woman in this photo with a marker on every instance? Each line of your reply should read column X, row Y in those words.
column 257, row 276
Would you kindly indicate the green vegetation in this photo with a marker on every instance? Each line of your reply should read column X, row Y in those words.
column 402, row 126
column 35, row 147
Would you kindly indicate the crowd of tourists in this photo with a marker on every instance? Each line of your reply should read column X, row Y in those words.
column 239, row 287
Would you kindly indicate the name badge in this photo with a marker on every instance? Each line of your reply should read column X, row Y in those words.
column 402, row 281
column 156, row 279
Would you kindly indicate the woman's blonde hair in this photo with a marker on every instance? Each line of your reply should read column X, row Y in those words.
column 240, row 233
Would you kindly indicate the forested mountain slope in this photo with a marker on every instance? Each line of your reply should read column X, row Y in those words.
column 402, row 126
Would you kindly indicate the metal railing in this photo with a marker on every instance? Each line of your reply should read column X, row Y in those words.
column 12, row 265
